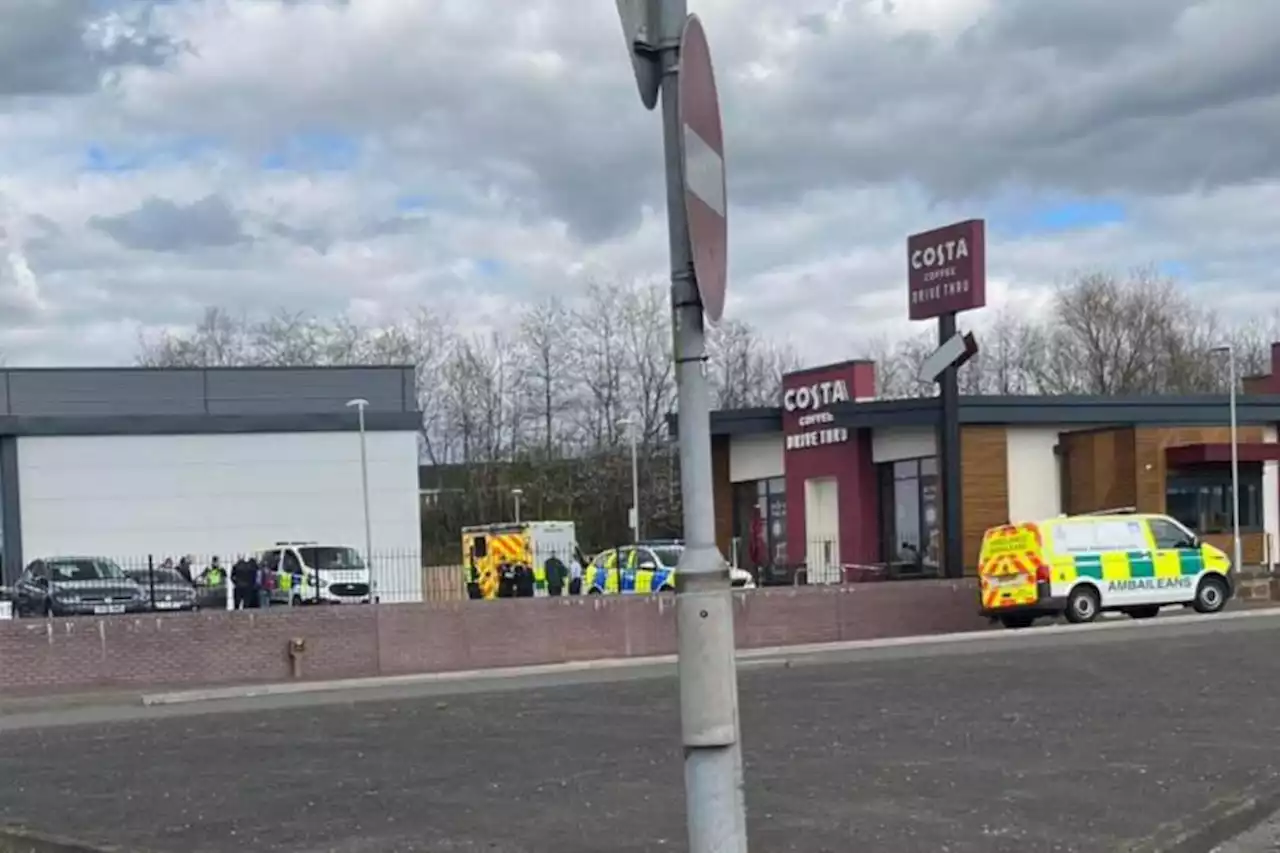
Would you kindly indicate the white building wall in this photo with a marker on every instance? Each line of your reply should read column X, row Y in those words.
column 1035, row 480
column 756, row 457
column 893, row 443
column 126, row 497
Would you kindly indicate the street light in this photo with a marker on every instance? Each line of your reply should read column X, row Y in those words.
column 1235, row 453
column 516, row 493
column 632, row 430
column 359, row 404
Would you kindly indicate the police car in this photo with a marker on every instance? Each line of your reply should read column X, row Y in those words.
column 646, row 567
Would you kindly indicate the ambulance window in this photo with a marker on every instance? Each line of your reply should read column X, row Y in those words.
column 478, row 548
column 1169, row 536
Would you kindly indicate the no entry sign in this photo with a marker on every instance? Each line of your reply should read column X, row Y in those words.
column 702, row 151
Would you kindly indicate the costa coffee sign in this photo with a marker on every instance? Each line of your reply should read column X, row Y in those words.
column 807, row 404
column 817, row 396
column 947, row 270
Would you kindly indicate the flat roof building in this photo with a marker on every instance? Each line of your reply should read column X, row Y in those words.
column 131, row 462
column 835, row 477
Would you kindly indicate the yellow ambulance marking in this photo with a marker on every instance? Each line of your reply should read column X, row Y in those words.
column 1115, row 566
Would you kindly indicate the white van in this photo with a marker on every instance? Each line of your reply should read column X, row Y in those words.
column 317, row 573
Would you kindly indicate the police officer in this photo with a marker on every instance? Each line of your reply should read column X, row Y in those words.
column 473, row 582
column 506, row 580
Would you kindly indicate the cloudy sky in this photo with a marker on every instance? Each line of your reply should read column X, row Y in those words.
column 368, row 155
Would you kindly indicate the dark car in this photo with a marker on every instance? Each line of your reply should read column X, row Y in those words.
column 171, row 590
column 77, row 586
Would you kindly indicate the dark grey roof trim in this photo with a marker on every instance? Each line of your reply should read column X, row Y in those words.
column 207, row 424
column 96, row 392
column 1200, row 410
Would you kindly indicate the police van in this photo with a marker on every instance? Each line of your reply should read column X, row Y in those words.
column 1081, row 566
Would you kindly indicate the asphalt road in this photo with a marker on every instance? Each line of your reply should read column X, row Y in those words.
column 1122, row 740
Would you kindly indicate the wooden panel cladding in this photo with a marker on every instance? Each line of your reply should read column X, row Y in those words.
column 722, row 494
column 1252, row 547
column 1098, row 469
column 1151, row 443
column 984, row 485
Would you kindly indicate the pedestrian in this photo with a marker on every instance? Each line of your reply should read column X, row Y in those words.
column 474, row 592
column 524, row 581
column 264, row 582
column 557, row 574
column 184, row 568
column 575, row 575
column 244, row 584
column 506, row 580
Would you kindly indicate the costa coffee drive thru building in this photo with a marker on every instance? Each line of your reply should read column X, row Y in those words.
column 836, row 477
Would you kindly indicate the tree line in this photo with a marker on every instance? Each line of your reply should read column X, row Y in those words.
column 547, row 403
column 1099, row 334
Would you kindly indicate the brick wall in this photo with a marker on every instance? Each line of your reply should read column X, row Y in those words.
column 44, row 656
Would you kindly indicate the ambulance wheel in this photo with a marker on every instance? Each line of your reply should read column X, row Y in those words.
column 1211, row 595
column 1082, row 605
column 1017, row 620
column 1149, row 611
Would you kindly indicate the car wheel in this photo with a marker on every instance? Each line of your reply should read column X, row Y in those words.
column 593, row 591
column 1149, row 611
column 1017, row 620
column 666, row 587
column 1211, row 595
column 1082, row 605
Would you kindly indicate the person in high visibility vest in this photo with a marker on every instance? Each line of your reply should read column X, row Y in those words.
column 473, row 581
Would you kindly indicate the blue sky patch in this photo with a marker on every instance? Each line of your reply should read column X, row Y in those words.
column 104, row 157
column 489, row 267
column 413, row 203
column 1025, row 217
column 314, row 151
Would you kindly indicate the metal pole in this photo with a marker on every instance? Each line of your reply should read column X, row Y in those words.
column 1235, row 461
column 516, row 495
column 949, row 463
column 368, row 524
column 704, row 603
column 635, row 489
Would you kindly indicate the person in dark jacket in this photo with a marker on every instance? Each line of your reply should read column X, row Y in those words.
column 244, row 583
column 506, row 580
column 557, row 575
column 524, row 581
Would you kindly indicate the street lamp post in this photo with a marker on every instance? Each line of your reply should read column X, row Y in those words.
column 632, row 430
column 1230, row 351
column 359, row 404
column 517, row 493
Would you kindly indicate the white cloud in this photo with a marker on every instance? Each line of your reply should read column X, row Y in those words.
column 474, row 162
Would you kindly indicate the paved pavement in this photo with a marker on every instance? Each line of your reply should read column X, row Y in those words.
column 1120, row 740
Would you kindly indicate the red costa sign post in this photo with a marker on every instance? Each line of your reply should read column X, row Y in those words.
column 946, row 274
column 947, row 270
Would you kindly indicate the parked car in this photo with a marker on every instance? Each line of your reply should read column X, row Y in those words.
column 645, row 568
column 76, row 586
column 166, row 589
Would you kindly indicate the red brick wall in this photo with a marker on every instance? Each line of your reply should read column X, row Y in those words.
column 44, row 656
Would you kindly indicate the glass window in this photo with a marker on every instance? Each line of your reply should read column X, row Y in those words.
column 760, row 522
column 1168, row 535
column 1201, row 498
column 911, row 510
column 906, row 468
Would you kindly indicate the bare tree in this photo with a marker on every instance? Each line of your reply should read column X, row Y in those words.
column 599, row 326
column 745, row 370
column 220, row 339
column 647, row 356
column 546, row 351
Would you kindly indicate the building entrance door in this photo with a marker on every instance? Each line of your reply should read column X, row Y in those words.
column 822, row 529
